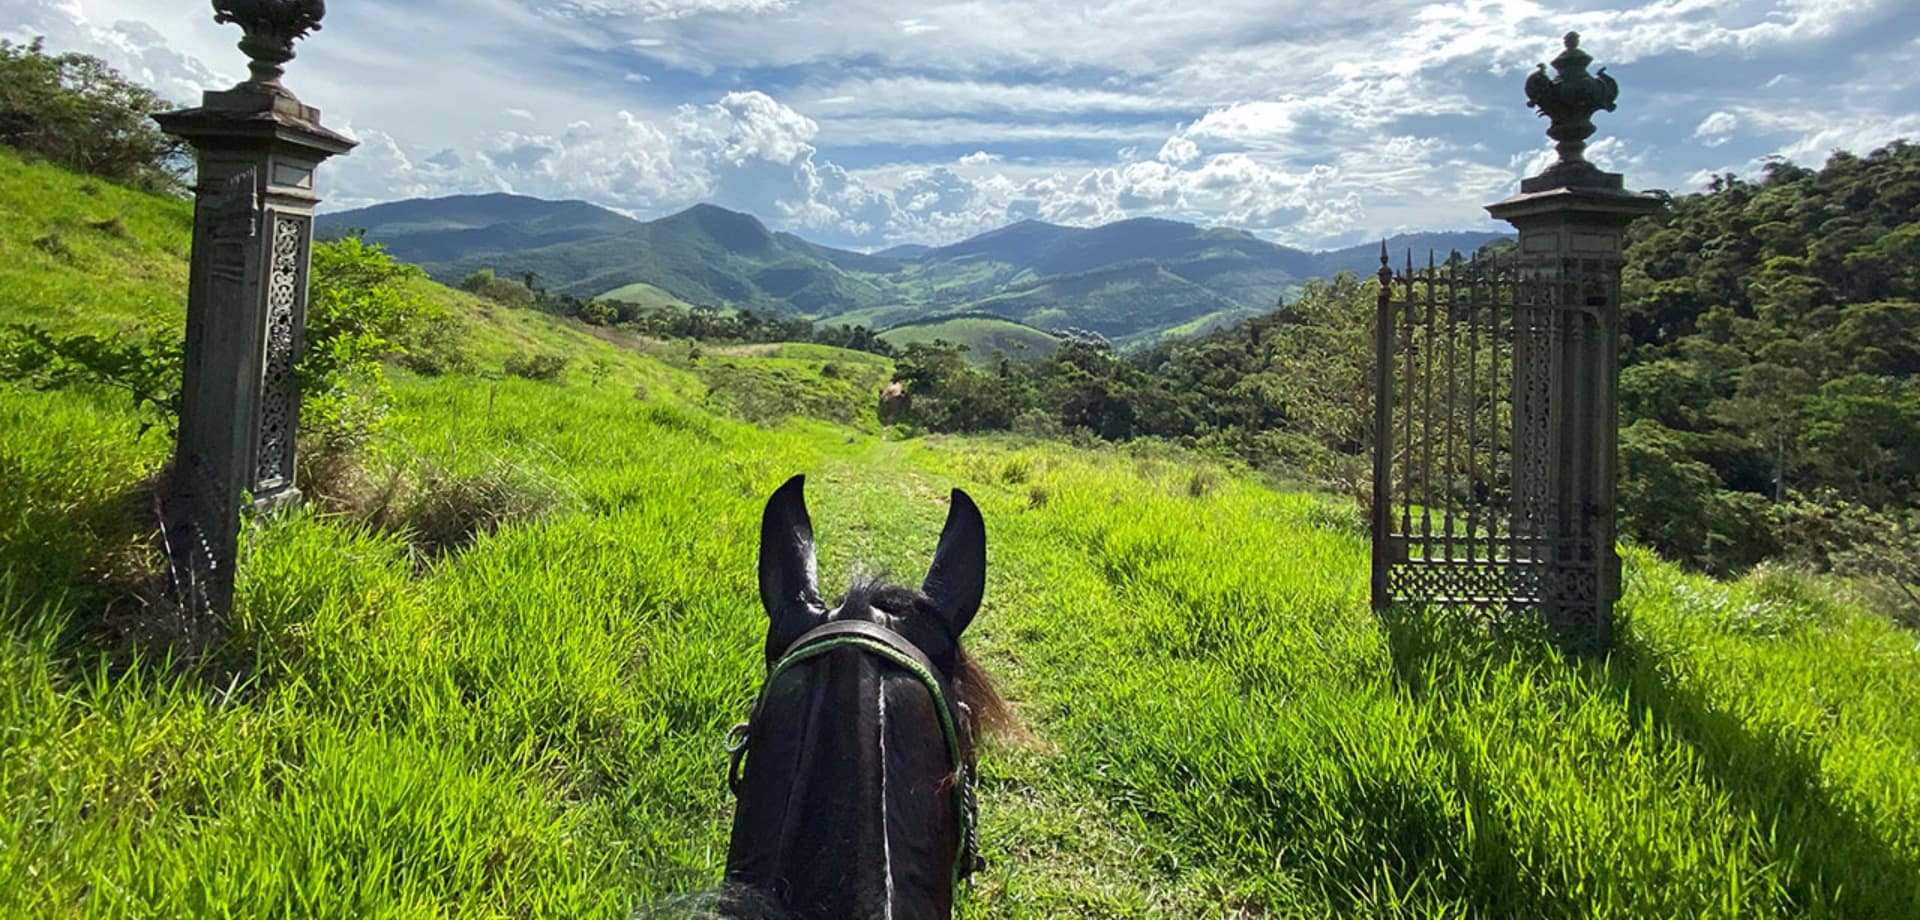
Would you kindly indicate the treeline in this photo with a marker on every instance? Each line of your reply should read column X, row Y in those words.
column 1770, row 398
column 1239, row 391
column 700, row 323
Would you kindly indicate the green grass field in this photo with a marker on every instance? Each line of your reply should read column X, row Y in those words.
column 529, row 724
column 644, row 295
column 986, row 337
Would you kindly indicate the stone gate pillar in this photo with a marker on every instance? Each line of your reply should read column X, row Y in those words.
column 1571, row 220
column 257, row 148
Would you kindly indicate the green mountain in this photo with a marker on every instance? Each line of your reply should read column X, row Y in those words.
column 703, row 255
column 1135, row 281
column 426, row 232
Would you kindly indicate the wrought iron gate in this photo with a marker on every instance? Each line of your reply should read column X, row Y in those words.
column 1493, row 443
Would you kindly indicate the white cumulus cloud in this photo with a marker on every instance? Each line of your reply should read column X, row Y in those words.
column 1713, row 129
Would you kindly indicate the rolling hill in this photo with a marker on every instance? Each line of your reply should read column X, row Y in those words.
column 1123, row 302
column 1135, row 281
column 986, row 336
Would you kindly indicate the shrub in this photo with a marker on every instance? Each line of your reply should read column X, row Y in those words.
column 1038, row 423
column 485, row 283
column 546, row 367
column 143, row 364
column 1879, row 550
column 360, row 310
column 599, row 313
column 438, row 346
column 600, row 370
column 444, row 510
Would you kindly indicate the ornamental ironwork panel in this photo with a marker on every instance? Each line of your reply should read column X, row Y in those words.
column 1485, row 438
column 279, row 392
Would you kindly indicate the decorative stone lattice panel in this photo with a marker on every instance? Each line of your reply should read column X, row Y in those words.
column 279, row 393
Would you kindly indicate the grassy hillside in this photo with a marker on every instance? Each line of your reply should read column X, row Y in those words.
column 644, row 295
column 78, row 253
column 528, row 724
column 985, row 336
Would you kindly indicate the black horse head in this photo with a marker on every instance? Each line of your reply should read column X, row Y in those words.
column 855, row 795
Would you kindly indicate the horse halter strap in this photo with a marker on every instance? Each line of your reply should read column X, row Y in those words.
column 878, row 640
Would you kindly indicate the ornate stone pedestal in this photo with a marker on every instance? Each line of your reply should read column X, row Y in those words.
column 257, row 148
column 1571, row 219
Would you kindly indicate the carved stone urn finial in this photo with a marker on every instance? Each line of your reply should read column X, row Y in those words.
column 271, row 27
column 1569, row 99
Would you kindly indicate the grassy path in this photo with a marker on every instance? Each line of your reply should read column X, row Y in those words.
column 1059, row 848
column 529, row 725
column 1232, row 732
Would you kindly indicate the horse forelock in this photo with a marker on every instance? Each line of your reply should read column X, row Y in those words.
column 981, row 706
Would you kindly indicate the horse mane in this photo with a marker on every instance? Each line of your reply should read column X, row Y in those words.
column 972, row 686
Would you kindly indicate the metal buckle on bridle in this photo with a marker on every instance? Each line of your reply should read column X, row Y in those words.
column 736, row 745
column 970, row 860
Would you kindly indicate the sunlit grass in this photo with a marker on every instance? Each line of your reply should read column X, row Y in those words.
column 528, row 723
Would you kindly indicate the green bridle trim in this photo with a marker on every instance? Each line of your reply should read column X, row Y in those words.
column 963, row 781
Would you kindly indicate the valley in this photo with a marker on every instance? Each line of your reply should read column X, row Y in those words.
column 1135, row 282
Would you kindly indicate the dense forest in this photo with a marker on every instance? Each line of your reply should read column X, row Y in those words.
column 1771, row 398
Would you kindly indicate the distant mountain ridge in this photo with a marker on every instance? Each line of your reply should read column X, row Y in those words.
column 434, row 230
column 1135, row 281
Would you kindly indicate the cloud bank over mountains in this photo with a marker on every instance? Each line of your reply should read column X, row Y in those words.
column 867, row 124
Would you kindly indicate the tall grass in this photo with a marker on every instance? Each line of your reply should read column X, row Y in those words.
column 525, row 721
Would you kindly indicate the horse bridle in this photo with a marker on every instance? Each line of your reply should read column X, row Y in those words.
column 886, row 644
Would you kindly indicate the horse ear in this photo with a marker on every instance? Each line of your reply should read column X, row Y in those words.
column 786, row 553
column 958, row 578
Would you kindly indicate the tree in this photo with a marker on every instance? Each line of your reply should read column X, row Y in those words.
column 1767, row 406
column 485, row 283
column 76, row 111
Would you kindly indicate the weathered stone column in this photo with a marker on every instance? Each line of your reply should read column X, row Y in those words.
column 1571, row 220
column 257, row 148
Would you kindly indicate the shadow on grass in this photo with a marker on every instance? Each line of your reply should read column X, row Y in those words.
column 1833, row 860
column 1427, row 659
column 88, row 579
column 1827, row 858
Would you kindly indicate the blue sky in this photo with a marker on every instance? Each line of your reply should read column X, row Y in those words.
column 866, row 123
